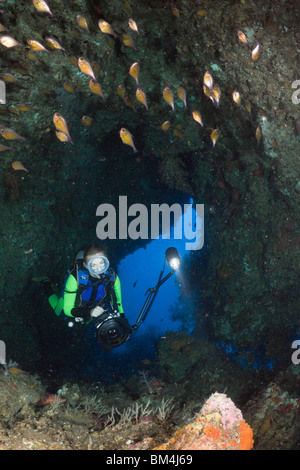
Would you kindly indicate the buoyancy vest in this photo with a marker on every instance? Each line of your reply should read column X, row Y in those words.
column 91, row 290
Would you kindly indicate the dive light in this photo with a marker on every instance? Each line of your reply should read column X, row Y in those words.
column 173, row 259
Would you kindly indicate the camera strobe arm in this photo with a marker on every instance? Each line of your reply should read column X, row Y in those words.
column 149, row 300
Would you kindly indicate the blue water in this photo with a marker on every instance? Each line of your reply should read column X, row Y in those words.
column 140, row 271
column 260, row 360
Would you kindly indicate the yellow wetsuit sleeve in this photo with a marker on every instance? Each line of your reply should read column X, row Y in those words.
column 117, row 289
column 70, row 295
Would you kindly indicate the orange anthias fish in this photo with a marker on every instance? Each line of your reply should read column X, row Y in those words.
column 121, row 91
column 129, row 103
column 95, row 87
column 73, row 60
column 175, row 11
column 248, row 106
column 178, row 132
column 258, row 134
column 18, row 166
column 181, row 93
column 216, row 95
column 141, row 97
column 206, row 91
column 132, row 24
column 23, row 107
column 7, row 77
column 213, row 94
column 14, row 370
column 32, row 56
column 85, row 67
column 236, row 97
column 127, row 5
column 60, row 123
column 106, row 28
column 255, row 53
column 36, row 46
column 3, row 148
column 208, row 80
column 53, row 44
column 10, row 134
column 242, row 37
column 134, row 72
column 127, row 138
column 86, row 121
column 9, row 42
column 166, row 126
column 127, row 40
column 197, row 117
column 69, row 88
column 81, row 21
column 96, row 67
column 169, row 97
column 41, row 5
column 214, row 136
column 63, row 137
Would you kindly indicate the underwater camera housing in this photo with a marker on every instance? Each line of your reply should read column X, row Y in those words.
column 113, row 330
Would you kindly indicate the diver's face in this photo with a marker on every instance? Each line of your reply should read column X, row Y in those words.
column 97, row 265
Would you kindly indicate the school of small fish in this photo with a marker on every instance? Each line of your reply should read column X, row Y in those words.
column 210, row 89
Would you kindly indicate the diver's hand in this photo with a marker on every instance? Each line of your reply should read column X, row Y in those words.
column 97, row 311
column 80, row 312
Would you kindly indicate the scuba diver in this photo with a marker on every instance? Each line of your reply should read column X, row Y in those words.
column 92, row 291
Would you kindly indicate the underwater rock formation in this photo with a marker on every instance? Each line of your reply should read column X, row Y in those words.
column 80, row 416
column 18, row 392
column 218, row 426
column 274, row 417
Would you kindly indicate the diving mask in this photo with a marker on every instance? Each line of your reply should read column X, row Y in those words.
column 98, row 265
